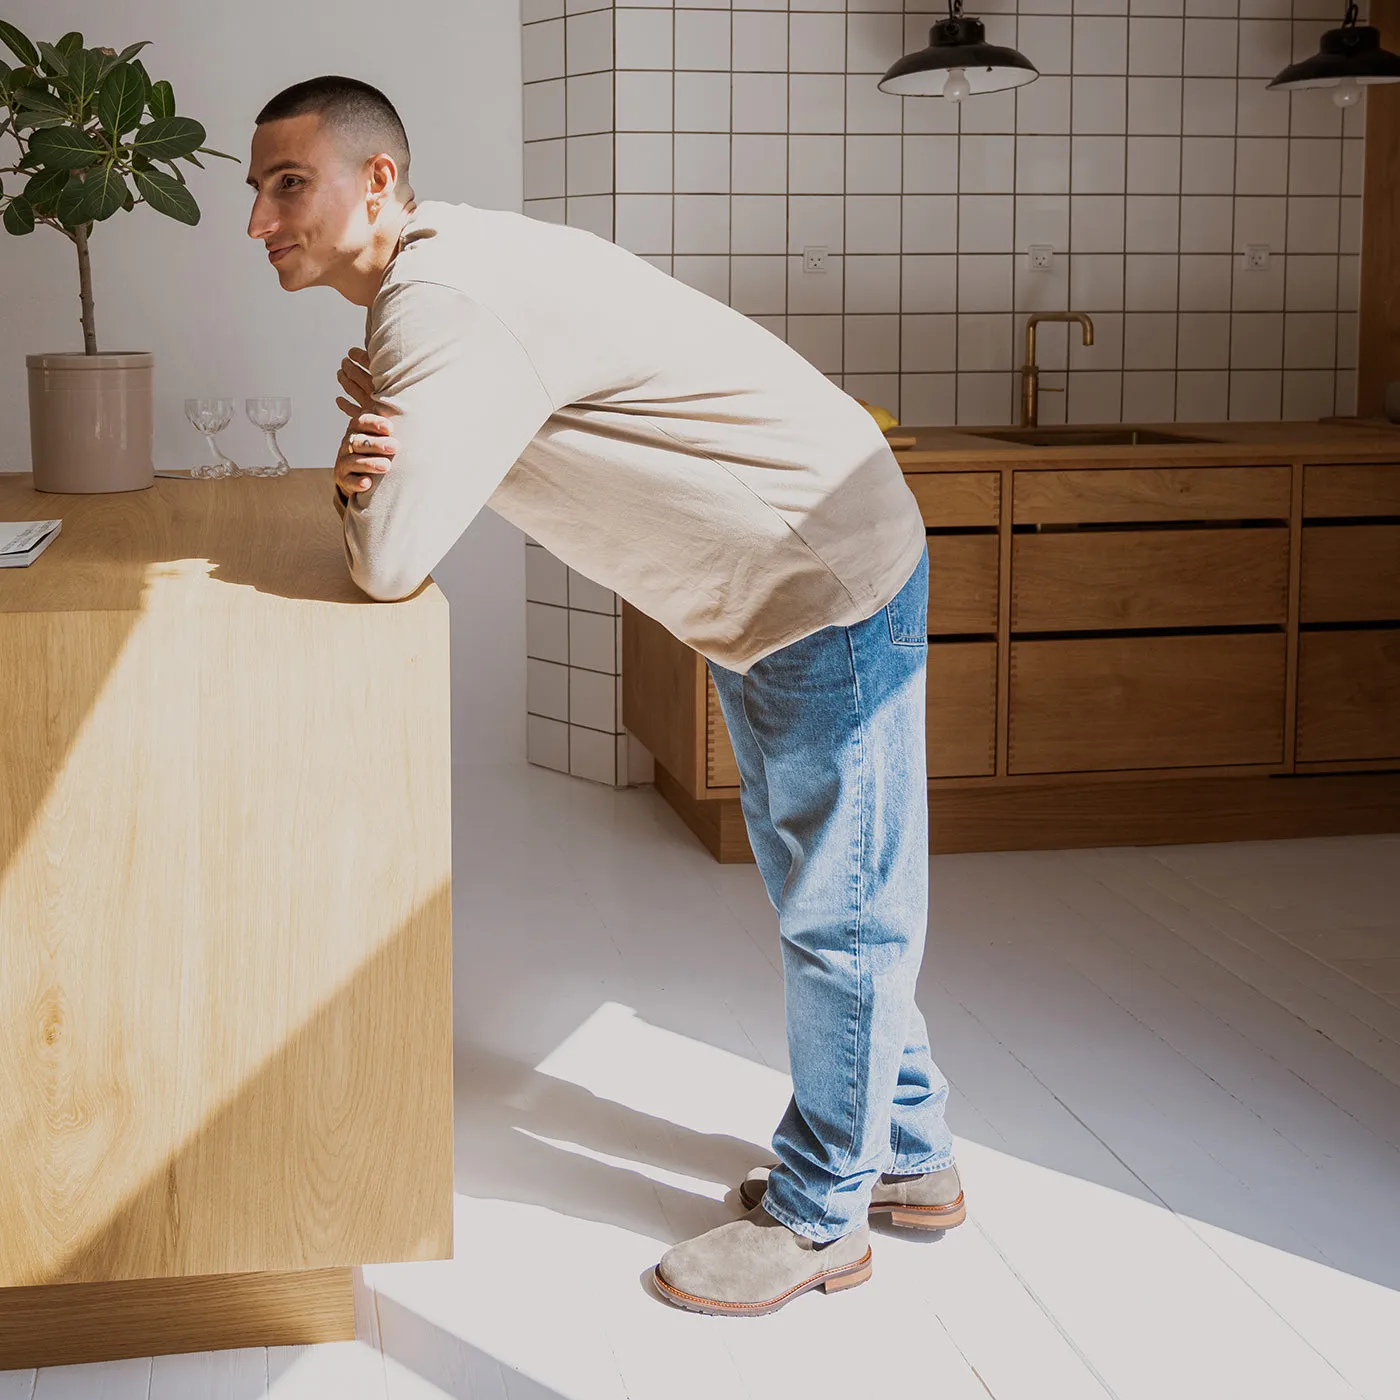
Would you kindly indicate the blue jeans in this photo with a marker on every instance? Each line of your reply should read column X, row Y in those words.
column 829, row 735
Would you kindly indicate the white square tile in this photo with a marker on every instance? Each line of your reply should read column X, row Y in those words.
column 592, row 643
column 1207, row 223
column 1256, row 340
column 871, row 344
column 1314, row 225
column 984, row 399
column 1349, row 233
column 590, row 104
column 702, row 223
column 928, row 283
column 870, row 110
column 1096, row 223
column 1100, row 7
column 928, row 398
column 1348, row 284
column 816, row 221
column 1258, row 289
column 1202, row 396
column 1261, row 112
column 643, row 38
column 534, row 10
column 1042, row 218
column 758, row 285
column 702, row 102
column 1042, row 164
column 1107, row 350
column 984, row 344
column 928, row 344
column 1097, row 164
column 881, row 389
column 1208, row 106
column 990, row 112
column 1211, row 48
column 1046, row 41
column 986, row 223
column 873, row 42
column 873, row 164
column 702, row 163
column 1154, row 106
column 818, row 340
column 1313, row 113
column 1208, row 165
column 760, row 102
column 635, row 761
column 1094, row 397
column 542, row 116
column 1348, row 330
column 588, row 42
column 1153, row 223
column 703, row 39
column 817, row 103
column 816, row 164
column 1204, row 282
column 1215, row 9
column 547, row 743
column 589, row 161
column 547, row 689
column 817, row 43
column 930, row 223
column 1043, row 107
column 1150, row 284
column 1261, row 165
column 1041, row 289
column 759, row 223
column 1311, row 283
column 542, row 51
column 1346, row 393
column 1149, row 340
column 546, row 578
column 1314, row 166
column 644, row 223
column 593, row 212
column 662, row 262
column 930, row 164
column 1203, row 340
column 1157, row 7
column 1149, row 396
column 546, row 633
column 1260, row 219
column 1353, row 167
column 872, row 223
column 1308, row 394
column 985, row 281
column 643, row 101
column 644, row 163
column 924, row 116
column 1309, row 340
column 1154, row 46
column 543, row 168
column 760, row 164
column 872, row 283
column 548, row 211
column 1100, row 45
column 1256, row 395
column 761, row 41
column 812, row 293
column 1266, row 47
column 592, row 699
column 1154, row 164
column 1100, row 106
column 592, row 755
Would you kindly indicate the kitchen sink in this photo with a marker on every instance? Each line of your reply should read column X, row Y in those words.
column 1085, row 437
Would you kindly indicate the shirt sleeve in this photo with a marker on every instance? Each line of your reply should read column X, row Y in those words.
column 465, row 400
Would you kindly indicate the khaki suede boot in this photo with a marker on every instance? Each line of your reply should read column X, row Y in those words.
column 754, row 1265
column 933, row 1201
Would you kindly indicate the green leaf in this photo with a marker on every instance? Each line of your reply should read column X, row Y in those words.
column 122, row 101
column 70, row 42
column 194, row 160
column 40, row 99
column 54, row 62
column 85, row 76
column 43, row 189
column 162, row 100
column 65, row 147
column 167, row 196
column 19, row 217
column 141, row 69
column 205, row 151
column 168, row 138
column 18, row 44
column 71, row 202
column 104, row 192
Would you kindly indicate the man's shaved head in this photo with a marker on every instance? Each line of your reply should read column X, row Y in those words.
column 360, row 118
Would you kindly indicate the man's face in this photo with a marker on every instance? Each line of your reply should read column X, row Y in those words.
column 309, row 206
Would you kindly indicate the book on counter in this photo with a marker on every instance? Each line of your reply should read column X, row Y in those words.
column 23, row 541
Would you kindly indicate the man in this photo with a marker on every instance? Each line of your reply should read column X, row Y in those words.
column 676, row 452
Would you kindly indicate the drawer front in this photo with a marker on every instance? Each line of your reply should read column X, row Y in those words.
column 961, row 711
column 1082, row 580
column 1351, row 573
column 1370, row 488
column 957, row 499
column 1104, row 703
column 1151, row 493
column 962, row 583
column 721, row 767
column 1348, row 695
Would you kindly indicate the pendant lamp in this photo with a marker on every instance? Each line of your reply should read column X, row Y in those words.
column 1349, row 58
column 958, row 62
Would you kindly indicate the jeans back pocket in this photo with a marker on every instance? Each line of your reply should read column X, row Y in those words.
column 907, row 611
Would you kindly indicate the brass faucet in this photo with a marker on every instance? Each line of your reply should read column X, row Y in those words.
column 1030, row 371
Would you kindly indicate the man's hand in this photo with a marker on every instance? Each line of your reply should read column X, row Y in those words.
column 354, row 378
column 366, row 450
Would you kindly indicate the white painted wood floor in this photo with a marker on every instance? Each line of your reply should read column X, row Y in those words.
column 1176, row 1094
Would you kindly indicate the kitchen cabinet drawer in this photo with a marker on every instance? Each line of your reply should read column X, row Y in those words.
column 1349, row 695
column 1351, row 573
column 961, row 709
column 1103, row 703
column 721, row 767
column 962, row 583
column 957, row 499
column 1084, row 580
column 1151, row 493
column 1368, row 488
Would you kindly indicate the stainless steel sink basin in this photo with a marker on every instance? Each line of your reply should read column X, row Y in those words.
column 1086, row 437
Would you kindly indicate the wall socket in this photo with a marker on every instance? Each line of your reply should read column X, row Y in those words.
column 1040, row 256
column 1256, row 255
column 814, row 259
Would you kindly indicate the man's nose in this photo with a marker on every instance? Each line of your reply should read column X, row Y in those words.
column 260, row 221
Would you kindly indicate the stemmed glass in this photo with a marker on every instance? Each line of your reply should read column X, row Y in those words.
column 212, row 416
column 269, row 412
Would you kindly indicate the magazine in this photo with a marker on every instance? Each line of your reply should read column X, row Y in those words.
column 23, row 541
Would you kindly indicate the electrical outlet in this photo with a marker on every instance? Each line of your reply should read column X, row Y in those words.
column 1040, row 256
column 1256, row 256
column 814, row 259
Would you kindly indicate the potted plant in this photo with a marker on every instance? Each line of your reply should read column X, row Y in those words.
column 90, row 124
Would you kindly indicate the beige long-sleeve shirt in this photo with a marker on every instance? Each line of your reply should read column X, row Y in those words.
column 655, row 439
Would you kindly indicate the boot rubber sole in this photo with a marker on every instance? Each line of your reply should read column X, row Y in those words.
column 832, row 1281
column 907, row 1217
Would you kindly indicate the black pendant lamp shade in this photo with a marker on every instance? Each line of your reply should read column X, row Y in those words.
column 958, row 62
column 1349, row 58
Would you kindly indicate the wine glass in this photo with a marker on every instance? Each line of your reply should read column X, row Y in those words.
column 212, row 416
column 270, row 412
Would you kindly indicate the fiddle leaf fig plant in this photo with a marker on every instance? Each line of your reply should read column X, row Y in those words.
column 90, row 125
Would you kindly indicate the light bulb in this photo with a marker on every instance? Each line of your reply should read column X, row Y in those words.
column 1347, row 93
column 956, row 86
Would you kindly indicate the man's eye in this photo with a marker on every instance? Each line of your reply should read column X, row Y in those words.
column 290, row 180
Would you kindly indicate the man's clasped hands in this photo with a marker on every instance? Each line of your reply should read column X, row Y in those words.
column 368, row 447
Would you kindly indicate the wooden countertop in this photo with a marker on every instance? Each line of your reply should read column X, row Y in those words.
column 955, row 449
